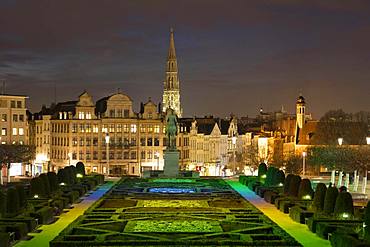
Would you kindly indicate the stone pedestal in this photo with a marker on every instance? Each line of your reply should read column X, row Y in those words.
column 171, row 163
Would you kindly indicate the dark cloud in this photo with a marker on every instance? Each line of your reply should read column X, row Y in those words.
column 247, row 53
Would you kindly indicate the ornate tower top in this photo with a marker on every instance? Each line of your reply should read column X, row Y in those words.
column 171, row 92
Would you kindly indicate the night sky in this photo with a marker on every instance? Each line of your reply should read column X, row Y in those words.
column 234, row 56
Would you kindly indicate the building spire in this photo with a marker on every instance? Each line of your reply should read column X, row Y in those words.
column 171, row 93
column 171, row 49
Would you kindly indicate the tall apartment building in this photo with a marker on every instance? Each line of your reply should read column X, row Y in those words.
column 14, row 125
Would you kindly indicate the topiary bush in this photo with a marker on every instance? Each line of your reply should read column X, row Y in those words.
column 279, row 178
column 262, row 170
column 37, row 187
column 2, row 204
column 330, row 198
column 62, row 176
column 21, row 194
column 294, row 186
column 367, row 221
column 288, row 179
column 271, row 171
column 305, row 190
column 344, row 205
column 45, row 181
column 12, row 202
column 80, row 168
column 53, row 181
column 319, row 197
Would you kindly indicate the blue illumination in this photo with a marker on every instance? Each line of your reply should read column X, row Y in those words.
column 172, row 190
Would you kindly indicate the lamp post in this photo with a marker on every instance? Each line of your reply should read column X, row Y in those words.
column 304, row 154
column 107, row 139
column 233, row 140
column 156, row 156
column 340, row 142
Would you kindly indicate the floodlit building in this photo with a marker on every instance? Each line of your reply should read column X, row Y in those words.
column 14, row 125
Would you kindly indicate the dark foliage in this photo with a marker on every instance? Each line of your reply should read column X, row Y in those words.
column 37, row 187
column 53, row 181
column 21, row 194
column 330, row 199
column 288, row 180
column 367, row 221
column 2, row 204
column 262, row 170
column 319, row 197
column 12, row 201
column 80, row 168
column 305, row 189
column 343, row 204
column 45, row 181
column 294, row 186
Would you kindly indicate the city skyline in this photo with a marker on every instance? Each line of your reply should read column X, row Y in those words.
column 252, row 55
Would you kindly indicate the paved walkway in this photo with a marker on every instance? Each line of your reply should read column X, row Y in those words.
column 49, row 232
column 298, row 231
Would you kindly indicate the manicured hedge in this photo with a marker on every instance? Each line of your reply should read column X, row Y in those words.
column 21, row 195
column 367, row 221
column 29, row 221
column 37, row 187
column 305, row 190
column 262, row 170
column 319, row 197
column 279, row 178
column 344, row 205
column 45, row 215
column 299, row 214
column 288, row 180
column 12, row 202
column 53, row 181
column 45, row 181
column 330, row 199
column 294, row 186
column 4, row 239
column 2, row 204
column 80, row 168
column 341, row 239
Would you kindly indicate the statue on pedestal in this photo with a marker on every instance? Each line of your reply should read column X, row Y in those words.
column 171, row 129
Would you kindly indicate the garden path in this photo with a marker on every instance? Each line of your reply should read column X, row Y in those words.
column 49, row 232
column 298, row 231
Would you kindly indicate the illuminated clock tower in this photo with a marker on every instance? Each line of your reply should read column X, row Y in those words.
column 171, row 92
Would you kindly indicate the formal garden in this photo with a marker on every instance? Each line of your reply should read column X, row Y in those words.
column 26, row 205
column 167, row 212
column 326, row 210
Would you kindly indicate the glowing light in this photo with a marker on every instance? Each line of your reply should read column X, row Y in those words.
column 36, row 196
column 79, row 175
column 62, row 184
column 263, row 176
column 340, row 141
column 304, row 154
column 306, row 197
column 368, row 140
column 345, row 215
column 280, row 184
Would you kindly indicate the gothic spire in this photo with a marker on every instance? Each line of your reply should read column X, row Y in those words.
column 171, row 49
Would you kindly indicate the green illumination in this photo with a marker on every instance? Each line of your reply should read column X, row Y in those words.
column 306, row 197
column 263, row 176
column 345, row 215
column 280, row 184
column 79, row 175
column 36, row 196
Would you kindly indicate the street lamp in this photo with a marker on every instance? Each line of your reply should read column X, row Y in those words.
column 156, row 156
column 107, row 139
column 304, row 154
column 233, row 140
column 340, row 141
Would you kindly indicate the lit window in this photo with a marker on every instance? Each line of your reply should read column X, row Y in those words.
column 95, row 128
column 81, row 115
column 156, row 128
column 105, row 128
column 14, row 132
column 133, row 128
column 125, row 128
column 3, row 131
column 21, row 131
column 4, row 118
column 88, row 115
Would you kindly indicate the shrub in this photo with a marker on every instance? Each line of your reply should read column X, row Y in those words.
column 305, row 190
column 288, row 179
column 367, row 221
column 45, row 215
column 299, row 214
column 2, row 204
column 12, row 201
column 45, row 181
column 330, row 198
column 80, row 168
column 343, row 205
column 294, row 186
column 21, row 195
column 4, row 239
column 53, row 181
column 319, row 197
column 37, row 187
column 279, row 178
column 62, row 176
column 262, row 169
